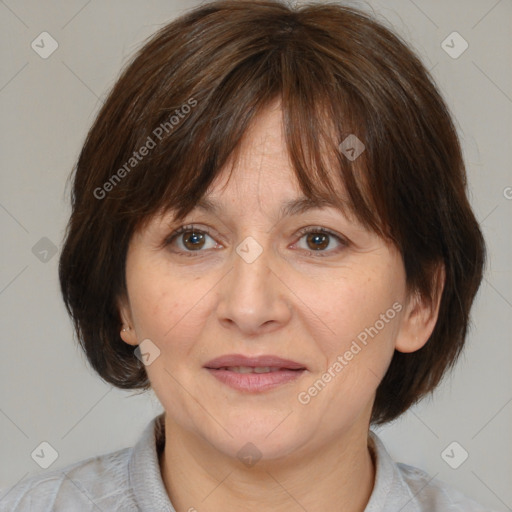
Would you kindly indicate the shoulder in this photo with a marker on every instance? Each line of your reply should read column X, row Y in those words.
column 431, row 494
column 399, row 486
column 96, row 483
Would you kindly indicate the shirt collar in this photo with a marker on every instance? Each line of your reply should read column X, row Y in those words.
column 144, row 469
column 390, row 491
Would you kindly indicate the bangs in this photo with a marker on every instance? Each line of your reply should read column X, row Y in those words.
column 318, row 116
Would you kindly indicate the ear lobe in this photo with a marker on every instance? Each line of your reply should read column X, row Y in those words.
column 420, row 316
column 127, row 332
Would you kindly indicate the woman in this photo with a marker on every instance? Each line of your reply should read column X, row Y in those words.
column 270, row 229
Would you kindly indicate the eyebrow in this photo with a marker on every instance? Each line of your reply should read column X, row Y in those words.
column 292, row 207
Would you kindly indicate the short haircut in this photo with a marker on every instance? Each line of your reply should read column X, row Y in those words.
column 189, row 95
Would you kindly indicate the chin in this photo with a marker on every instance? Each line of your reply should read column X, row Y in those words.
column 267, row 438
column 252, row 449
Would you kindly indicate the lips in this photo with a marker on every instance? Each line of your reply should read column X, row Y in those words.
column 254, row 374
column 273, row 363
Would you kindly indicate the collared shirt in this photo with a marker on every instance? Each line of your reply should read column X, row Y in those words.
column 129, row 480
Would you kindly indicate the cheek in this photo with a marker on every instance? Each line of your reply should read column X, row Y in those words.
column 357, row 307
column 357, row 355
column 175, row 314
column 171, row 315
column 372, row 319
column 163, row 307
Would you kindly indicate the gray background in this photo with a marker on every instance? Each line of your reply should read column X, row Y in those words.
column 48, row 393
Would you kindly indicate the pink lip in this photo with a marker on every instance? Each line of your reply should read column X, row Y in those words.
column 241, row 360
column 254, row 382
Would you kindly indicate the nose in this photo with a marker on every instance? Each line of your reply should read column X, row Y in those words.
column 253, row 296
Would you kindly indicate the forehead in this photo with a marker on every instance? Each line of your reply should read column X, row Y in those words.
column 290, row 207
column 261, row 167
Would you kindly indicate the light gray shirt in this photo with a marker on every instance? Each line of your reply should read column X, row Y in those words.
column 129, row 480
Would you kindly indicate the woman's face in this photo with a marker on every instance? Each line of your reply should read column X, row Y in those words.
column 255, row 286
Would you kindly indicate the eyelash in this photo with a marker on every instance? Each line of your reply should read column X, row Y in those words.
column 304, row 231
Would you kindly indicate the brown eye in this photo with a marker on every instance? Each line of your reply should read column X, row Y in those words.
column 188, row 240
column 318, row 239
column 193, row 240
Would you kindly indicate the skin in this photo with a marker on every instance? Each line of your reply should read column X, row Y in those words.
column 288, row 302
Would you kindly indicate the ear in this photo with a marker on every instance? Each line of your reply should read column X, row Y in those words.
column 128, row 334
column 420, row 316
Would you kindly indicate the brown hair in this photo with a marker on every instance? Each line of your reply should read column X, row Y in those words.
column 188, row 97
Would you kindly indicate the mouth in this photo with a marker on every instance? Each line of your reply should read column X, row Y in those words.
column 254, row 369
column 254, row 374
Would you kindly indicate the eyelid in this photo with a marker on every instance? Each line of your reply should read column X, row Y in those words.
column 183, row 229
column 321, row 229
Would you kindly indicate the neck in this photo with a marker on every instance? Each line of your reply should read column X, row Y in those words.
column 339, row 475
